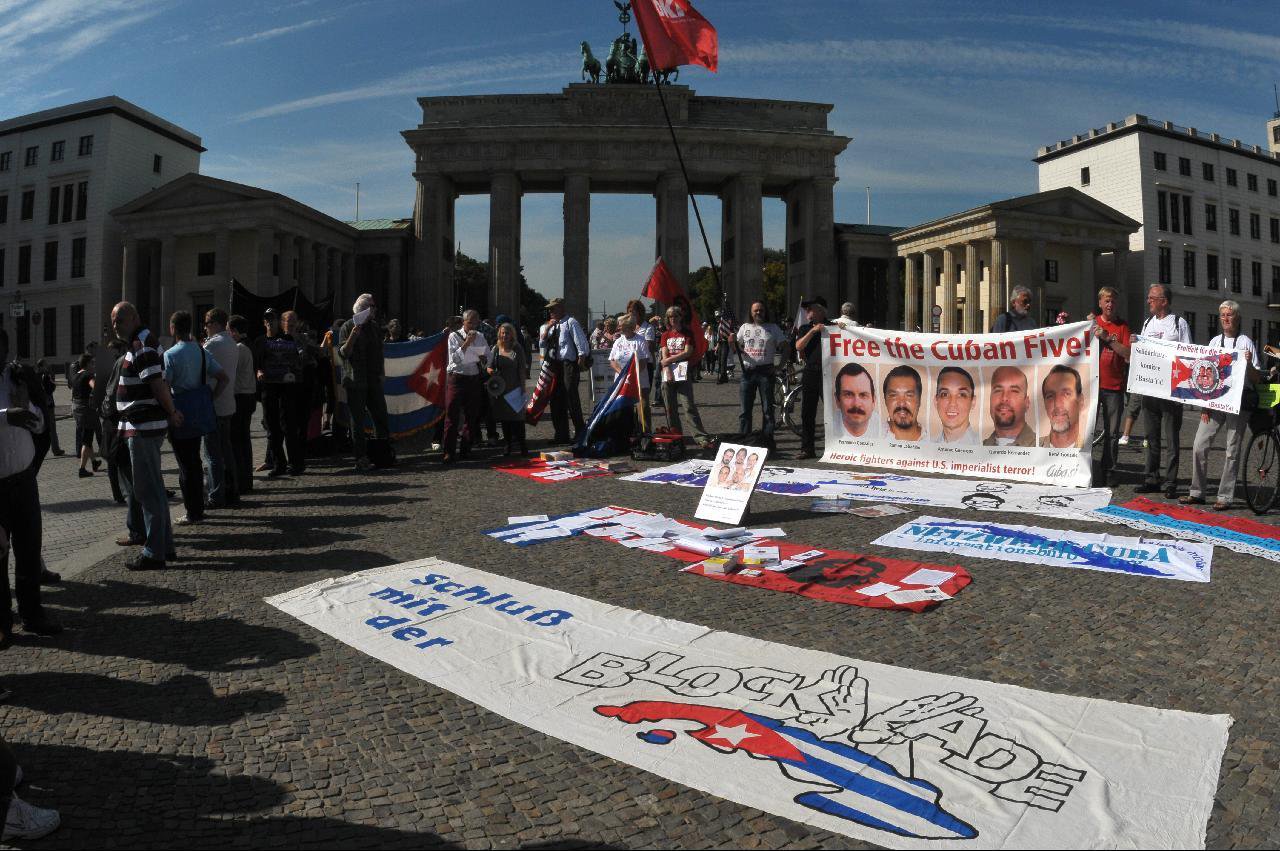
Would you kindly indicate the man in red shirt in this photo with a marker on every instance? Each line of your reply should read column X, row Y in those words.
column 1113, row 376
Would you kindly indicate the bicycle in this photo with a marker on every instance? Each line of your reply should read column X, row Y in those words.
column 786, row 397
column 1261, row 468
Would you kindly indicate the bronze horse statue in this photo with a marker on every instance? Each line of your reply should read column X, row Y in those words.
column 590, row 65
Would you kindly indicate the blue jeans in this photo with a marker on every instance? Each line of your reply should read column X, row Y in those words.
column 219, row 469
column 148, row 504
column 753, row 381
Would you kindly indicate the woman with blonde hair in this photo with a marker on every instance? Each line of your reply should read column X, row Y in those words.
column 507, row 361
column 631, row 344
column 675, row 358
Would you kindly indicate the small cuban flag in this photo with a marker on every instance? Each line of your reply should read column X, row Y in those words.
column 1205, row 378
column 414, row 383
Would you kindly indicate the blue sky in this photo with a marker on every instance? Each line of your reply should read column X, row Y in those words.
column 946, row 102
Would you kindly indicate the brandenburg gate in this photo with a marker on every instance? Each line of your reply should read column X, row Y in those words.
column 614, row 138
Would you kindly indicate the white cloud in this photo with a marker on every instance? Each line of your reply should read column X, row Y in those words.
column 276, row 32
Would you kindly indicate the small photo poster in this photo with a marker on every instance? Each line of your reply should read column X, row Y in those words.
column 734, row 474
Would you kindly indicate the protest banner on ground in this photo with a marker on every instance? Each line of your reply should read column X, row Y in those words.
column 1184, row 560
column 899, row 489
column 880, row 753
column 728, row 490
column 1239, row 534
column 545, row 471
column 1016, row 407
column 1199, row 376
column 833, row 576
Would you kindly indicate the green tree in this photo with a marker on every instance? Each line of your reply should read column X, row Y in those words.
column 775, row 282
column 471, row 290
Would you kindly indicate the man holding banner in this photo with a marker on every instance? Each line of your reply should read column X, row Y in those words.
column 1162, row 418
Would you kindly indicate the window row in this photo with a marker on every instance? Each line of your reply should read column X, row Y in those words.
column 1173, row 213
column 1212, row 329
column 1234, row 281
column 69, row 202
column 1207, row 172
column 21, row 338
column 52, row 254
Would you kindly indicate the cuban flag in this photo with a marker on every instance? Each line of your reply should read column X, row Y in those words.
column 847, row 782
column 622, row 397
column 1204, row 378
column 414, row 383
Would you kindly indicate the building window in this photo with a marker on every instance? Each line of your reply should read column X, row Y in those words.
column 1206, row 169
column 1236, row 274
column 1190, row 316
column 86, row 146
column 66, row 203
column 1251, row 181
column 51, row 261
column 6, row 160
column 1273, row 328
column 1184, row 166
column 24, row 264
column 1255, row 226
column 77, row 256
column 1165, row 275
column 155, row 163
column 1162, row 162
column 1275, row 281
column 275, row 265
column 1257, row 330
column 1162, row 211
column 1255, row 272
column 1275, row 229
column 56, row 151
column 32, row 157
column 1211, row 217
column 4, row 209
column 1232, row 180
column 54, row 204
column 1211, row 271
column 28, row 211
column 50, row 320
column 1188, row 268
column 1212, row 330
column 1084, row 176
column 1, row 275
column 77, row 328
column 1175, row 212
column 82, row 200
column 204, row 263
column 1186, row 214
column 1233, row 221
column 1271, row 186
column 1050, row 271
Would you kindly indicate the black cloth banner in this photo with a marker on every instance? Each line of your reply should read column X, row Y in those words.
column 250, row 305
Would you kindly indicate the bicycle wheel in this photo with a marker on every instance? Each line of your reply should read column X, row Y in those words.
column 1261, row 469
column 789, row 411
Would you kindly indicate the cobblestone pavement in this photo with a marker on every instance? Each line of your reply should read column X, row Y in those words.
column 181, row 709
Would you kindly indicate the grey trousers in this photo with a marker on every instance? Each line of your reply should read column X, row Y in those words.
column 1111, row 408
column 1162, row 421
column 670, row 391
column 1237, row 427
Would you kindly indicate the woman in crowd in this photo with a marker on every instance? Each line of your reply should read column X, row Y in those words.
column 636, row 310
column 676, row 356
column 82, row 384
column 507, row 361
column 631, row 344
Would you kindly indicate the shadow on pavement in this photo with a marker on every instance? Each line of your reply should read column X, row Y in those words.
column 186, row 700
column 287, row 559
column 76, row 505
column 112, row 594
column 125, row 799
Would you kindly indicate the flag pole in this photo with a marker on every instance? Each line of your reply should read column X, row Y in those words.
column 715, row 271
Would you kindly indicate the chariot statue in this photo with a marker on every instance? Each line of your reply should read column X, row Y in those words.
column 590, row 65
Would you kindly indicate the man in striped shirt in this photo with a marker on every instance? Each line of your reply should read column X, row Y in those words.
column 146, row 411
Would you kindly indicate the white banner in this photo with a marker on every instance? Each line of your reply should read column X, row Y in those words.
column 902, row 490
column 1199, row 376
column 1161, row 559
column 1016, row 407
column 901, row 758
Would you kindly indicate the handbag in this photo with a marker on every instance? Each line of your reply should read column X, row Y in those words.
column 196, row 405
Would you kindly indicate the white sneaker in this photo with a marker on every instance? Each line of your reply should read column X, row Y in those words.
column 1124, row 440
column 1144, row 443
column 25, row 821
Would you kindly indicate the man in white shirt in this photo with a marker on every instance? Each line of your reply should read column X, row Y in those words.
column 757, row 342
column 564, row 345
column 467, row 353
column 1162, row 418
column 1211, row 422
column 219, row 464
column 848, row 318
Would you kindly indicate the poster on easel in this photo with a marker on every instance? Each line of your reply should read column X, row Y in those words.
column 602, row 374
column 733, row 477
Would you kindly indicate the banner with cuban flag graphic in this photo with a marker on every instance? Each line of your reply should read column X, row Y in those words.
column 414, row 383
column 1199, row 376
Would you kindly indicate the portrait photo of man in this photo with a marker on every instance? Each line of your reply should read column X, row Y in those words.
column 855, row 395
column 1062, row 393
column 902, row 391
column 953, row 396
column 1009, row 405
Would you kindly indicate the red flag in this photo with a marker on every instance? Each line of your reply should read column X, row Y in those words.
column 675, row 34
column 662, row 286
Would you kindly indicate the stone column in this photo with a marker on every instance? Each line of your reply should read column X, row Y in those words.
column 822, row 236
column 332, row 281
column 928, row 288
column 266, row 248
column 672, row 225
column 950, row 284
column 850, row 287
column 222, row 269
column 972, row 285
column 799, row 200
column 998, row 295
column 910, row 302
column 750, row 242
column 307, row 267
column 1036, row 282
column 430, row 293
column 130, row 271
column 1088, row 286
column 346, row 277
column 168, row 282
column 504, row 245
column 577, row 246
column 894, row 307
column 395, row 286
column 1120, row 269
column 151, row 314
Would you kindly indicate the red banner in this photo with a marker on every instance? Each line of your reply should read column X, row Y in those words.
column 675, row 34
column 663, row 287
column 540, row 471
